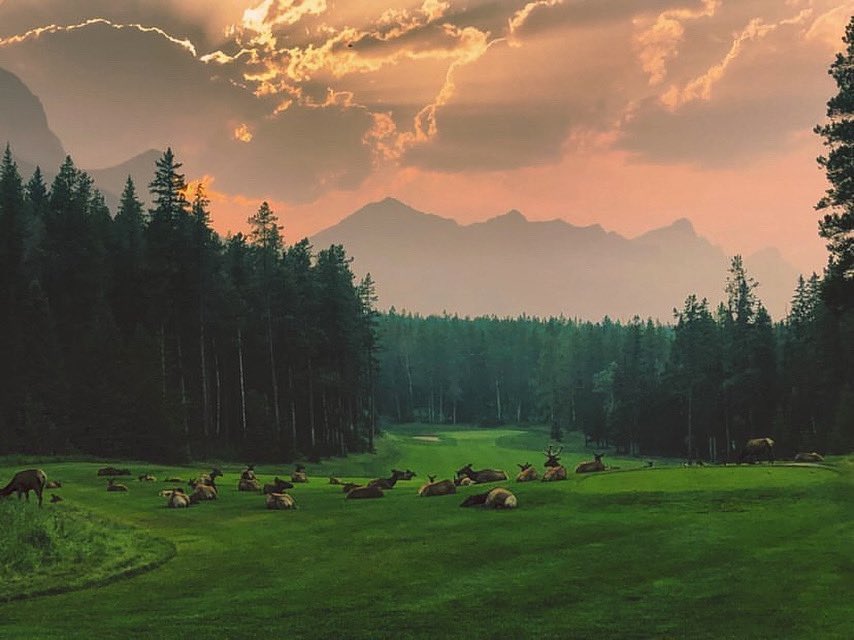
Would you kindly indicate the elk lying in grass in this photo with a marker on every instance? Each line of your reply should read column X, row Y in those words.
column 481, row 476
column 147, row 478
column 386, row 483
column 334, row 480
column 359, row 493
column 498, row 498
column 53, row 484
column 809, row 457
column 553, row 474
column 299, row 474
column 404, row 475
column 112, row 485
column 463, row 482
column 203, row 492
column 757, row 448
column 280, row 501
column 348, row 486
column 113, row 471
column 25, row 481
column 527, row 473
column 208, row 479
column 248, row 473
column 277, row 486
column 594, row 465
column 249, row 484
column 433, row 488
column 177, row 499
column 55, row 498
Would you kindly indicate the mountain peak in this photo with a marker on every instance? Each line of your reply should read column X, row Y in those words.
column 23, row 124
column 514, row 216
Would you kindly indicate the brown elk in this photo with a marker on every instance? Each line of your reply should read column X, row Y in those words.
column 465, row 481
column 55, row 498
column 552, row 457
column 809, row 457
column 334, row 480
column 178, row 499
column 112, row 485
column 280, row 501
column 203, row 492
column 386, row 483
column 208, row 479
column 594, row 465
column 404, row 475
column 498, row 498
column 299, row 474
column 433, row 488
column 53, row 484
column 481, row 476
column 25, row 481
column 553, row 474
column 757, row 448
column 248, row 484
column 278, row 486
column 527, row 473
column 348, row 486
column 359, row 493
column 147, row 478
column 248, row 473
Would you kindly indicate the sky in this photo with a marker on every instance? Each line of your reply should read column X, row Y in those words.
column 626, row 113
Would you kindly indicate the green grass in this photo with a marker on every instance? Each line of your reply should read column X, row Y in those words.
column 723, row 552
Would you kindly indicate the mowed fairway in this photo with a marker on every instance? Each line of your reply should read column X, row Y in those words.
column 747, row 552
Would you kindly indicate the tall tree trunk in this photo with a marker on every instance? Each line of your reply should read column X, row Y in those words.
column 242, row 381
column 498, row 398
column 409, row 380
column 293, row 407
column 690, row 423
column 163, row 358
column 183, row 386
column 205, row 401
column 218, row 391
column 311, row 406
column 273, row 379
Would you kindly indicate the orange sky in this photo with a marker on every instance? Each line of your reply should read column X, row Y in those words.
column 629, row 114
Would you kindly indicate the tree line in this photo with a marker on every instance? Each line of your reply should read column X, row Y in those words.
column 146, row 334
column 697, row 388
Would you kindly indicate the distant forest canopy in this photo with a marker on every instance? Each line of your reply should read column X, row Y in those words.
column 717, row 376
column 147, row 335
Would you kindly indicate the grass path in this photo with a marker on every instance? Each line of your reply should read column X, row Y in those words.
column 747, row 552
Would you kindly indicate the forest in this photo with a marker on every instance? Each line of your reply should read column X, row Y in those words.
column 147, row 335
column 696, row 388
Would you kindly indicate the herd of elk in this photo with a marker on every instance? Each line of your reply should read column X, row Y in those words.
column 25, row 481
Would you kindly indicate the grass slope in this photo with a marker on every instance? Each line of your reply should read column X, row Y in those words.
column 747, row 552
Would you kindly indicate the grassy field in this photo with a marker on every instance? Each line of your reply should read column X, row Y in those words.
column 668, row 552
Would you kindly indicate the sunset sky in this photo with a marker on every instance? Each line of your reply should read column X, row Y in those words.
column 627, row 113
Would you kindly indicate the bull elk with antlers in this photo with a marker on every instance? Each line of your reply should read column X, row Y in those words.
column 527, row 473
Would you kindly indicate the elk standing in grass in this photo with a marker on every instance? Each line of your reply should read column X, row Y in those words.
column 481, row 476
column 433, row 488
column 25, row 481
column 757, row 448
column 594, row 465
column 527, row 473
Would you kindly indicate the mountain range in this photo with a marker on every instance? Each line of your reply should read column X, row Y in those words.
column 509, row 265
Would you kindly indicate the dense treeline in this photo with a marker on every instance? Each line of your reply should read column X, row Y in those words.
column 148, row 335
column 716, row 376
